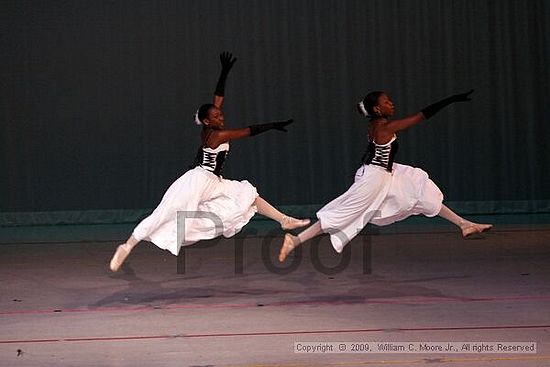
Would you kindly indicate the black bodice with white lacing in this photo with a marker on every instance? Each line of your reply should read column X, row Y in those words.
column 212, row 159
column 381, row 155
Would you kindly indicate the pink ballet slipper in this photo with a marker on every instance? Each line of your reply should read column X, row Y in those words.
column 292, row 223
column 475, row 228
column 289, row 244
column 120, row 255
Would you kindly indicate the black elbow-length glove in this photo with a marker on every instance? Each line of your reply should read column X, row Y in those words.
column 436, row 107
column 227, row 60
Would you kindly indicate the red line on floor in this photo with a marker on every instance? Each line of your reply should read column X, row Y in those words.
column 400, row 301
column 271, row 333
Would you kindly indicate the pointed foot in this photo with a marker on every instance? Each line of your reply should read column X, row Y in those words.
column 475, row 228
column 120, row 255
column 288, row 223
column 289, row 244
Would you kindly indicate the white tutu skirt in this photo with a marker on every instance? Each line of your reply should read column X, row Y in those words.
column 197, row 206
column 379, row 197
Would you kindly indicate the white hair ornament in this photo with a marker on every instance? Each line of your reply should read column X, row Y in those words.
column 196, row 116
column 362, row 109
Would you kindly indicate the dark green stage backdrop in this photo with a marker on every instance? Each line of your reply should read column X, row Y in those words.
column 97, row 97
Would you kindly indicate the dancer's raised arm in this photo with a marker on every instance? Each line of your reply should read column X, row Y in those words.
column 227, row 60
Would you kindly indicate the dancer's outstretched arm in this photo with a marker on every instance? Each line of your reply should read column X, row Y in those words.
column 219, row 136
column 396, row 125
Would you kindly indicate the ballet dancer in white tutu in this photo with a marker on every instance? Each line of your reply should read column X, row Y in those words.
column 208, row 204
column 383, row 191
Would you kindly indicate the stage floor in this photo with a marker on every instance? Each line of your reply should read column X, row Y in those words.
column 232, row 304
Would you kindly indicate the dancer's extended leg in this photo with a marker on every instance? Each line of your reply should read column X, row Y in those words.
column 291, row 242
column 287, row 222
column 468, row 228
column 122, row 253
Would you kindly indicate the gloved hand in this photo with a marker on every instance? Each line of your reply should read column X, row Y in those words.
column 227, row 60
column 463, row 97
column 436, row 107
column 277, row 125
